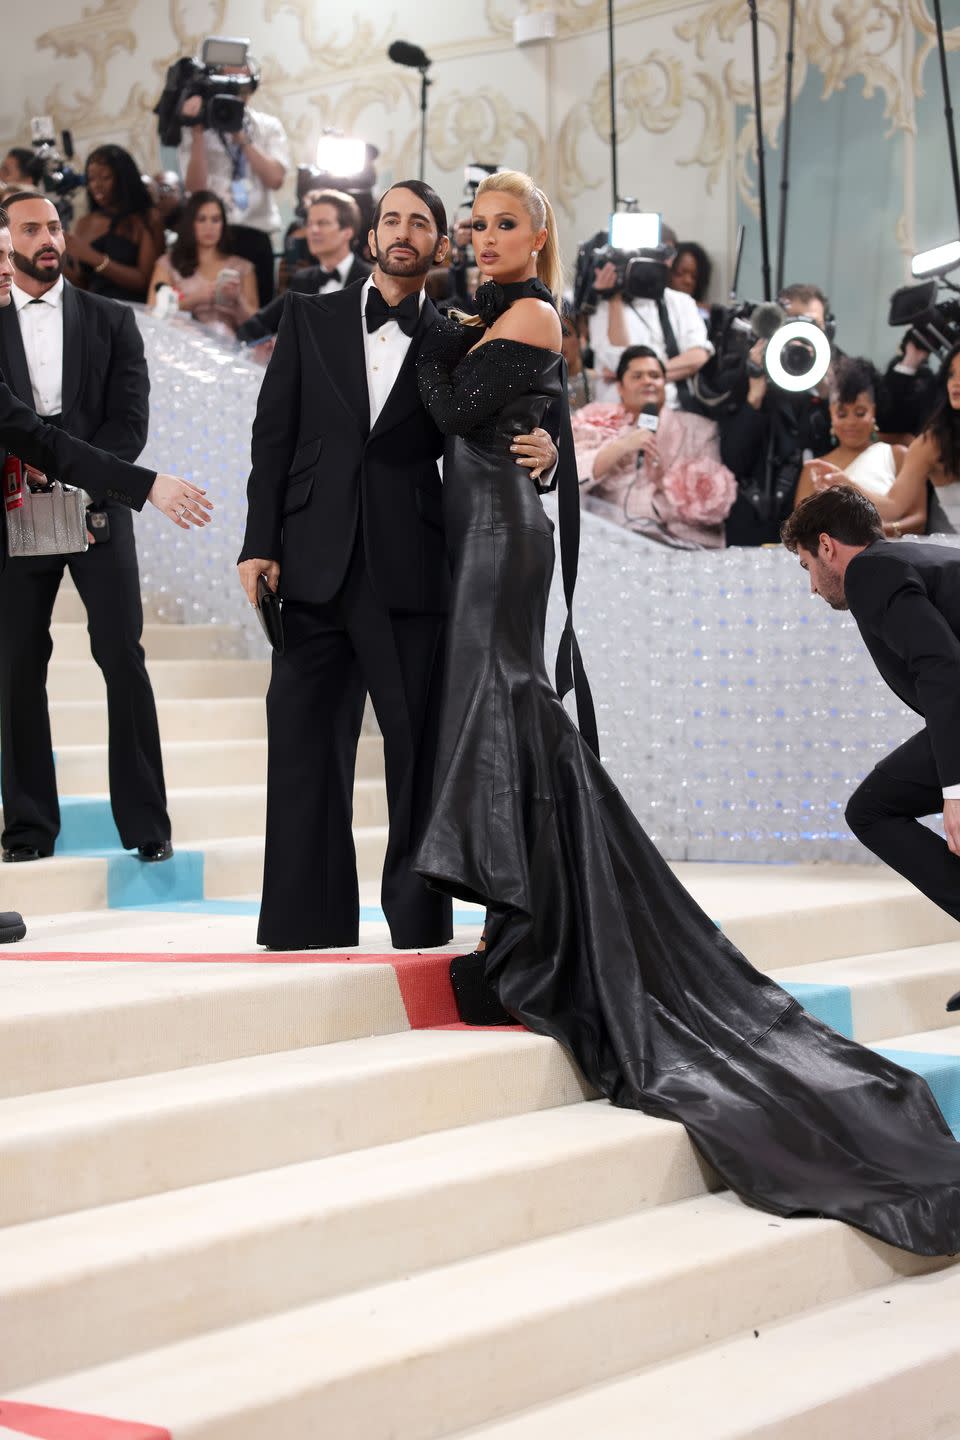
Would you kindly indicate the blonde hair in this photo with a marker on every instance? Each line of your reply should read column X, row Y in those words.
column 540, row 211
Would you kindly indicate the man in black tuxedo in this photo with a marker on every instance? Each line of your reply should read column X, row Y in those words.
column 104, row 476
column 345, row 513
column 78, row 360
column 332, row 224
column 905, row 598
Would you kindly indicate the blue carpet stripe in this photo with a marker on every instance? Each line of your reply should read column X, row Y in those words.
column 831, row 1004
column 942, row 1074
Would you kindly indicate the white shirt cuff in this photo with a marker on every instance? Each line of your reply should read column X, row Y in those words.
column 951, row 792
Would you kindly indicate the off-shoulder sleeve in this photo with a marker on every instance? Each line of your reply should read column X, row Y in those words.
column 495, row 373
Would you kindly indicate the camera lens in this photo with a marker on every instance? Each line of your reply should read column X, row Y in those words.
column 798, row 357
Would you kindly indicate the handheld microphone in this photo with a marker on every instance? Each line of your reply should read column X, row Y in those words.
column 648, row 419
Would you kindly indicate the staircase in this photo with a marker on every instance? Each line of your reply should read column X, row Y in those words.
column 279, row 1201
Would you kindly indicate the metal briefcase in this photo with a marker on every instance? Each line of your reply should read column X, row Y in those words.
column 52, row 521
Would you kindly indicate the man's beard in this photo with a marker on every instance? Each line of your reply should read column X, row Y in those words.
column 407, row 268
column 38, row 272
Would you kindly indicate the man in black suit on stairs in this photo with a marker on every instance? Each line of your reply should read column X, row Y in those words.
column 332, row 224
column 77, row 359
column 101, row 474
column 905, row 598
column 345, row 513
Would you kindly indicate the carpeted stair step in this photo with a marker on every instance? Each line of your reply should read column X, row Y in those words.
column 68, row 1024
column 484, row 1337
column 890, row 992
column 878, row 1366
column 229, row 717
column 82, row 1289
column 71, row 641
column 171, row 679
column 73, row 1149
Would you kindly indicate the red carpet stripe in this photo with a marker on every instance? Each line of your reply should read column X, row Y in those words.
column 46, row 1424
column 424, row 980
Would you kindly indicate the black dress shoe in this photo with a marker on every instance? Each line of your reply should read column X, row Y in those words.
column 11, row 927
column 13, row 854
column 154, row 851
column 954, row 1002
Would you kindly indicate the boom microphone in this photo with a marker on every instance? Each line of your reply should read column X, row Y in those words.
column 401, row 52
column 766, row 320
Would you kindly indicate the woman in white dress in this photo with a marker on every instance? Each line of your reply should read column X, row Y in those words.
column 865, row 460
column 925, row 496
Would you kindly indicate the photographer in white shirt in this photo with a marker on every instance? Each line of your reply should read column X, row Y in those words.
column 620, row 320
column 245, row 169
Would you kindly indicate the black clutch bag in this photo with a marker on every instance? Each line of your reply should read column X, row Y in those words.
column 270, row 614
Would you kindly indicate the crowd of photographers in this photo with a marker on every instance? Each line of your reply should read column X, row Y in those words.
column 682, row 431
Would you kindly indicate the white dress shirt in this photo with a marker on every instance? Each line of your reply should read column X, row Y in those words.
column 343, row 270
column 384, row 351
column 642, row 320
column 41, row 329
column 270, row 138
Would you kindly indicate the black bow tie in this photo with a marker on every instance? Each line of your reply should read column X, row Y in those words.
column 378, row 312
column 325, row 276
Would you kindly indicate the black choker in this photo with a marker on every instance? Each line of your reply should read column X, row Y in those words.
column 492, row 299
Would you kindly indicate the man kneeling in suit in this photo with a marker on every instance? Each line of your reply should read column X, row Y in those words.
column 905, row 598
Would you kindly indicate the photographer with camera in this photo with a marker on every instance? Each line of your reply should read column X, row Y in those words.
column 768, row 433
column 664, row 319
column 239, row 153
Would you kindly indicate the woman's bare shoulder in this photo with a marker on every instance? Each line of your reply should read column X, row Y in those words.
column 532, row 321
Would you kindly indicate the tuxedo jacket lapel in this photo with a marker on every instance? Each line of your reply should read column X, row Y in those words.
column 339, row 338
column 73, row 347
column 13, row 357
column 405, row 397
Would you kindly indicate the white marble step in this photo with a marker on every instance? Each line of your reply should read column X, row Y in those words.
column 171, row 679
column 216, row 1255
column 878, row 1366
column 484, row 1337
column 230, row 717
column 67, row 1023
column 71, row 641
column 76, row 1148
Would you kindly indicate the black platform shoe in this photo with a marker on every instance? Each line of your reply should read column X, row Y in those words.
column 477, row 1002
column 12, row 927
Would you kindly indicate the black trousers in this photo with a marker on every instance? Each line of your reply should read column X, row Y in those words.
column 108, row 581
column 257, row 247
column 883, row 813
column 333, row 655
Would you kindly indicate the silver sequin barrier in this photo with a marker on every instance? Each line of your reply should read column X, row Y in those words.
column 736, row 711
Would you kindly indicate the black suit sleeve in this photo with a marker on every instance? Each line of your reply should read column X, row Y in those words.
column 126, row 393
column 743, row 438
column 891, row 600
column 58, row 454
column 264, row 323
column 274, row 440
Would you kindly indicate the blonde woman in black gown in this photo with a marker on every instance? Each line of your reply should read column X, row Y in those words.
column 590, row 937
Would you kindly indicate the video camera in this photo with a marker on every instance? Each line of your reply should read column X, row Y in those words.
column 934, row 324
column 633, row 246
column 51, row 168
column 222, row 94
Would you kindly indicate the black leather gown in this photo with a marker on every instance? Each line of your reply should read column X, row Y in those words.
column 591, row 938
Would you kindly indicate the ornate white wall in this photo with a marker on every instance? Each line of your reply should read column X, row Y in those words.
column 684, row 91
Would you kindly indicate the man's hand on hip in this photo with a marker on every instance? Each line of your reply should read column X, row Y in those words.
column 250, row 572
column 951, row 824
column 536, row 452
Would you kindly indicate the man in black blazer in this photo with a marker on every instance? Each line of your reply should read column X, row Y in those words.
column 905, row 598
column 332, row 224
column 345, row 513
column 102, row 475
column 78, row 360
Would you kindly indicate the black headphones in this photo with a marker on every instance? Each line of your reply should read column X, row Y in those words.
column 829, row 319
